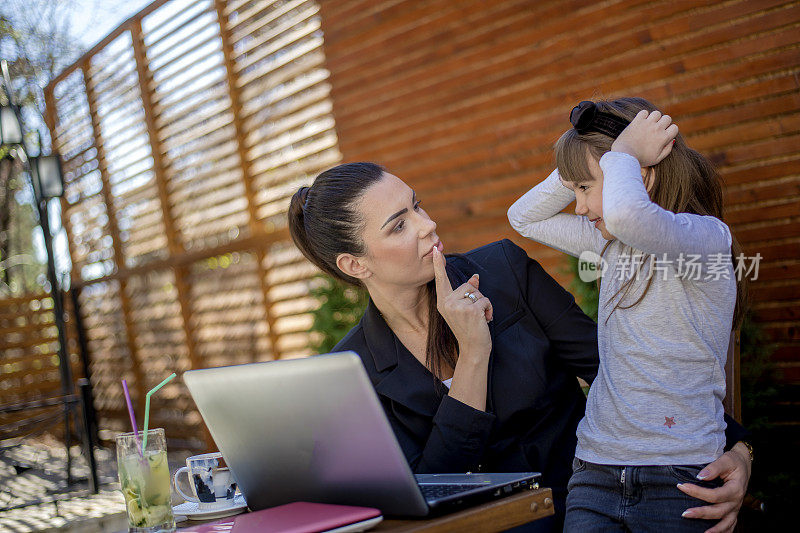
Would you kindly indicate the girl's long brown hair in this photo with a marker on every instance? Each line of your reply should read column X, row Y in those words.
column 685, row 182
column 324, row 222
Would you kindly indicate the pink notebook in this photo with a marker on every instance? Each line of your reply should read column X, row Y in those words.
column 297, row 517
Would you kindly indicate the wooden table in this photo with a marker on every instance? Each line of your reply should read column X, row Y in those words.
column 494, row 516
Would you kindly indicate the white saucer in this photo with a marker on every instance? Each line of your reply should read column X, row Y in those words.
column 192, row 511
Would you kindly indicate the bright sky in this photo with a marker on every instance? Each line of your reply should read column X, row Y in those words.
column 94, row 19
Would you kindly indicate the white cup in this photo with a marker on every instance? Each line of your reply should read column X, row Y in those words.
column 212, row 485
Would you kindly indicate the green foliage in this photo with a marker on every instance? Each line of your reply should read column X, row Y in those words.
column 772, row 479
column 38, row 41
column 340, row 308
column 758, row 378
column 586, row 294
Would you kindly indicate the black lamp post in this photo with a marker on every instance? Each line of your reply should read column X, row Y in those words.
column 48, row 183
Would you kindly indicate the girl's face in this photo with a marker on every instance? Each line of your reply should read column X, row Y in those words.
column 399, row 236
column 589, row 195
column 589, row 198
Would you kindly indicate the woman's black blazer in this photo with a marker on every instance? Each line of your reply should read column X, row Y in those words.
column 541, row 342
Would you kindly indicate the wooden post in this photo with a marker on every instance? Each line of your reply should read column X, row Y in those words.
column 159, row 170
column 256, row 228
column 175, row 247
column 733, row 389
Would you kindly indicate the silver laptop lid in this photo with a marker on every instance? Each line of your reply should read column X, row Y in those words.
column 306, row 429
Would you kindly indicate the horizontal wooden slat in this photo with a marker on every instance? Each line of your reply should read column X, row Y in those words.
column 117, row 83
column 220, row 150
column 209, row 120
column 154, row 43
column 215, row 182
column 162, row 71
column 169, row 24
column 255, row 38
column 129, row 101
column 205, row 80
column 308, row 48
column 276, row 41
column 169, row 115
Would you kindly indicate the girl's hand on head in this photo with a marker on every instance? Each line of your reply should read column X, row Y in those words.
column 649, row 138
column 467, row 318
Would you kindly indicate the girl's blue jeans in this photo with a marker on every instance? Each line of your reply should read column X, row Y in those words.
column 632, row 498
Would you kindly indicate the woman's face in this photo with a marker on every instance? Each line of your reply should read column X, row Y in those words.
column 398, row 234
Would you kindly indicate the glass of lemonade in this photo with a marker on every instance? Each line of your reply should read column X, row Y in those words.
column 145, row 482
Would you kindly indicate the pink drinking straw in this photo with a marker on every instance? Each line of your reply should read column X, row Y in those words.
column 133, row 417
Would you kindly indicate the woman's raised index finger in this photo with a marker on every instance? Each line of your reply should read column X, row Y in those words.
column 443, row 286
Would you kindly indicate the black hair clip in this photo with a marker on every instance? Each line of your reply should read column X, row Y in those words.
column 586, row 117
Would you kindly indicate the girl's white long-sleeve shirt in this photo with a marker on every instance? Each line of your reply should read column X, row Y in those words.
column 657, row 398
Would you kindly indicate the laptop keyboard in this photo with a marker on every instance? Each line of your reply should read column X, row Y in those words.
column 434, row 492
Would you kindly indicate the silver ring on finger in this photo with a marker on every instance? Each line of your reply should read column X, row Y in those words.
column 471, row 296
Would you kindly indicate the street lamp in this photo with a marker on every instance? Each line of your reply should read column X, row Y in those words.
column 46, row 177
column 48, row 182
column 10, row 130
column 10, row 125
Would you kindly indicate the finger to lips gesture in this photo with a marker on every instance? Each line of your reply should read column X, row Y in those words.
column 465, row 309
column 649, row 137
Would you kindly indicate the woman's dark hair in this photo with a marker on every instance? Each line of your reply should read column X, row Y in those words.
column 323, row 219
column 324, row 222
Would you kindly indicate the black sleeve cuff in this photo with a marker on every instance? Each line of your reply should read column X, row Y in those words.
column 464, row 425
column 734, row 432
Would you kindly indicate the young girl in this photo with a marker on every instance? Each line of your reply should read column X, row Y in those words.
column 650, row 212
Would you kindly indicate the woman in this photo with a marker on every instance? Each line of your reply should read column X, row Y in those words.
column 474, row 358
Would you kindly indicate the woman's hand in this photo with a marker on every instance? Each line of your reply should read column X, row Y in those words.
column 649, row 138
column 467, row 316
column 733, row 467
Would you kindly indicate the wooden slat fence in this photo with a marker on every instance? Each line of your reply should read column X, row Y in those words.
column 185, row 131
column 183, row 135
column 29, row 364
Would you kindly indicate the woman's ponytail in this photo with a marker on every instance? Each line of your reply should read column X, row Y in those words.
column 323, row 221
column 297, row 223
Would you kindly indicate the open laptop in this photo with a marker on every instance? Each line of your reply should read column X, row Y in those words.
column 313, row 430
